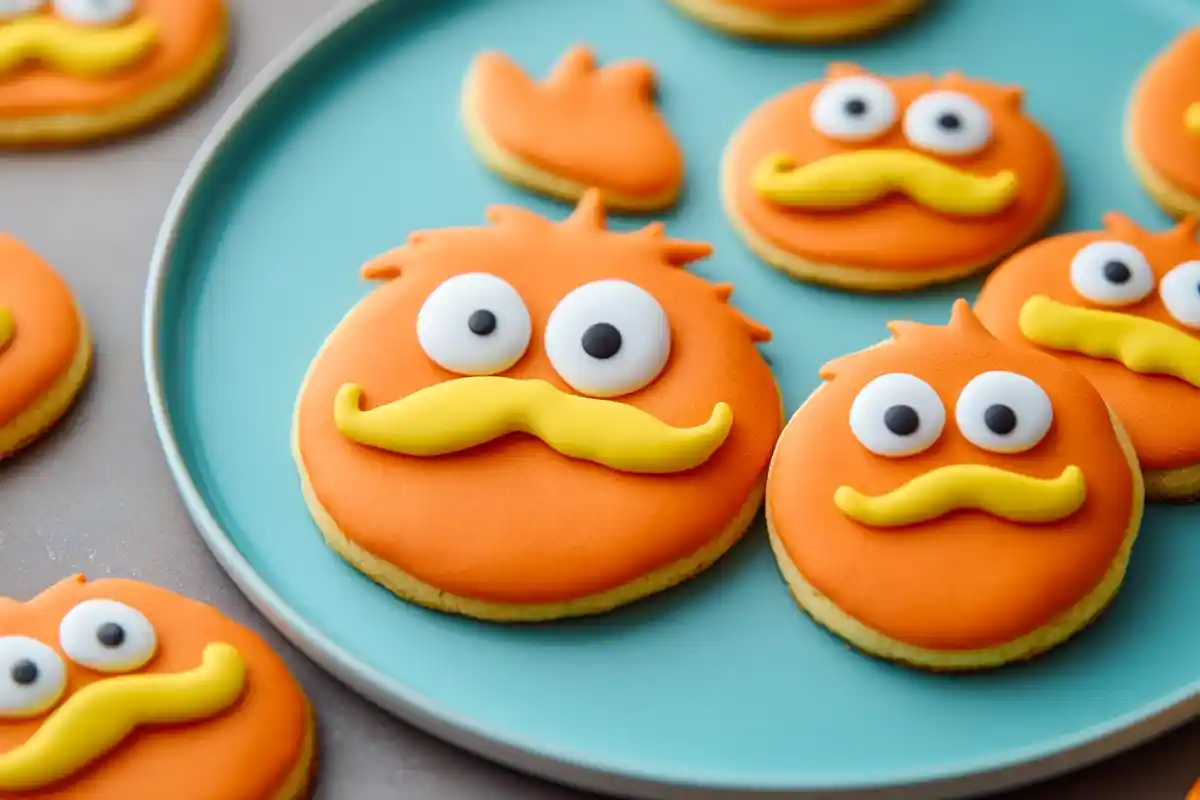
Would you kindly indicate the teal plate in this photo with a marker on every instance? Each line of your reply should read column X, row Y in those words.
column 352, row 139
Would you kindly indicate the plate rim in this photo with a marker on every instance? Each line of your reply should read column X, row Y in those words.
column 1011, row 769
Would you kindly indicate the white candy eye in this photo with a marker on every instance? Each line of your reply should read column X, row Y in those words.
column 854, row 109
column 107, row 636
column 1111, row 273
column 608, row 338
column 94, row 12
column 18, row 8
column 1180, row 292
column 897, row 415
column 32, row 677
column 1003, row 412
column 474, row 324
column 948, row 124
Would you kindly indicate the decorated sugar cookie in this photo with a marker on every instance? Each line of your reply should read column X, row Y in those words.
column 45, row 347
column 117, row 689
column 887, row 184
column 583, row 127
column 534, row 420
column 78, row 70
column 800, row 20
column 1163, row 127
column 953, row 501
column 1122, row 306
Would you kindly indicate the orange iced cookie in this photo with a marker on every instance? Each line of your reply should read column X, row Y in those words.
column 953, row 501
column 78, row 70
column 583, row 127
column 117, row 689
column 887, row 184
column 532, row 420
column 1162, row 133
column 1122, row 306
column 799, row 20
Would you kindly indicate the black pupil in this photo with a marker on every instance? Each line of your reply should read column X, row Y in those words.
column 24, row 672
column 855, row 106
column 902, row 420
column 601, row 340
column 110, row 634
column 1000, row 419
column 481, row 322
column 949, row 121
column 1117, row 272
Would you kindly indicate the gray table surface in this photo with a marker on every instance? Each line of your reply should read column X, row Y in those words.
column 95, row 496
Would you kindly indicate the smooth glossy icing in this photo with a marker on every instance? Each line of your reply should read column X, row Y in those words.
column 1163, row 115
column 505, row 517
column 1101, row 301
column 954, row 547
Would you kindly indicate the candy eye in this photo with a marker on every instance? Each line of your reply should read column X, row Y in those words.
column 18, row 8
column 107, row 636
column 93, row 12
column 947, row 123
column 1180, row 292
column 1003, row 412
column 474, row 324
column 32, row 677
column 854, row 109
column 897, row 415
column 1111, row 274
column 608, row 338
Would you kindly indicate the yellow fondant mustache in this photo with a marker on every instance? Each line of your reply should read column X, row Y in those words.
column 74, row 49
column 456, row 415
column 1004, row 494
column 1192, row 118
column 98, row 717
column 6, row 326
column 1142, row 345
column 858, row 177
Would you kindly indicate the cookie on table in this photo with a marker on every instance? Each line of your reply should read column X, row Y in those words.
column 953, row 501
column 115, row 690
column 45, row 346
column 888, row 184
column 1162, row 129
column 537, row 419
column 582, row 127
column 800, row 20
column 1122, row 306
column 78, row 70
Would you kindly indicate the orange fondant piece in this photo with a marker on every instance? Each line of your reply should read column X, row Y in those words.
column 513, row 521
column 46, row 328
column 1167, row 89
column 966, row 580
column 247, row 751
column 1149, row 406
column 895, row 233
column 596, row 127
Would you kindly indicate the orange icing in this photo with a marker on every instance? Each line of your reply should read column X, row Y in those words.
column 597, row 127
column 513, row 521
column 1168, row 87
column 186, row 30
column 1150, row 407
column 966, row 580
column 247, row 751
column 46, row 328
column 894, row 233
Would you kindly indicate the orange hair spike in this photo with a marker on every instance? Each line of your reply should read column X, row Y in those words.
column 1186, row 230
column 578, row 62
column 1118, row 224
column 843, row 69
column 386, row 266
column 589, row 212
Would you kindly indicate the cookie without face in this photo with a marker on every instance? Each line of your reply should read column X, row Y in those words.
column 800, row 20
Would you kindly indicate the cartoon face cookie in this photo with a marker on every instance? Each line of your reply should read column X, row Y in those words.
column 1163, row 127
column 952, row 501
column 534, row 420
column 45, row 348
column 114, row 688
column 799, row 20
column 76, row 70
column 889, row 183
column 1121, row 306
column 584, row 127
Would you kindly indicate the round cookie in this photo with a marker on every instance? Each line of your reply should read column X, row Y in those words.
column 889, row 184
column 1121, row 306
column 45, row 347
column 952, row 501
column 799, row 20
column 78, row 70
column 1162, row 127
column 119, row 689
column 559, row 419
